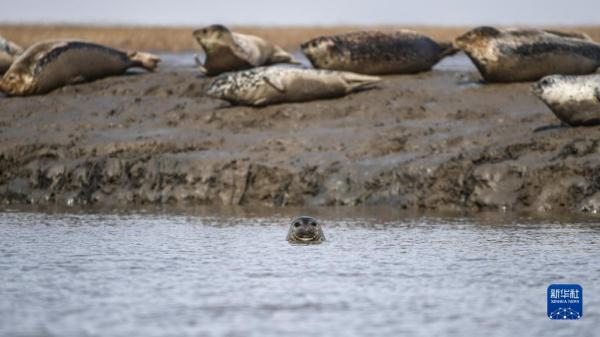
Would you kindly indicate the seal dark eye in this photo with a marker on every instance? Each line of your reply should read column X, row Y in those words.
column 297, row 224
column 314, row 224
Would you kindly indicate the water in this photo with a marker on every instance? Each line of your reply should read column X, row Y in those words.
column 457, row 62
column 157, row 274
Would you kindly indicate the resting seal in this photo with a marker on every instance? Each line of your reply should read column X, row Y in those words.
column 376, row 53
column 512, row 55
column 8, row 52
column 305, row 229
column 48, row 65
column 276, row 84
column 575, row 100
column 229, row 51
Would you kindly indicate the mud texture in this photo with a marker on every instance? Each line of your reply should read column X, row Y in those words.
column 433, row 141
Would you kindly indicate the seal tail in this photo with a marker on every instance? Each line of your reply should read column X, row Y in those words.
column 145, row 60
column 357, row 81
column 448, row 49
column 282, row 56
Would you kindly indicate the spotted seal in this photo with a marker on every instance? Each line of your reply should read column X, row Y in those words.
column 305, row 229
column 376, row 53
column 513, row 55
column 228, row 51
column 575, row 100
column 8, row 52
column 277, row 84
column 51, row 64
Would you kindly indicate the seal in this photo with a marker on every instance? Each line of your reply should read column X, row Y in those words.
column 376, row 53
column 575, row 100
column 48, row 65
column 277, row 84
column 305, row 229
column 8, row 52
column 228, row 51
column 515, row 55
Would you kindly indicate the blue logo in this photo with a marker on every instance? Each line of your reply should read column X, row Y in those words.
column 565, row 301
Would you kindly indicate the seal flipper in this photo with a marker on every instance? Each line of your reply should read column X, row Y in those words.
column 275, row 82
column 145, row 60
column 76, row 80
column 282, row 56
column 199, row 65
column 573, row 35
column 356, row 81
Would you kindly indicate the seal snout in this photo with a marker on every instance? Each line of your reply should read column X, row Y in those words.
column 538, row 87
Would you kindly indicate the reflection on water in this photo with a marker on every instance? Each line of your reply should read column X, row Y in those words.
column 150, row 274
column 457, row 62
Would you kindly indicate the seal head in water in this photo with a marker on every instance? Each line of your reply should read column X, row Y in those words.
column 305, row 229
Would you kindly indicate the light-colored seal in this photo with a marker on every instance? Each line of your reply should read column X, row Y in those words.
column 575, row 100
column 8, row 52
column 512, row 55
column 228, row 51
column 305, row 229
column 277, row 84
column 376, row 53
column 48, row 65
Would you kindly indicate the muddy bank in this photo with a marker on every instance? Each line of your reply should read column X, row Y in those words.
column 436, row 141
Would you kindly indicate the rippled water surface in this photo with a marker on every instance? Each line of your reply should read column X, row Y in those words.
column 153, row 274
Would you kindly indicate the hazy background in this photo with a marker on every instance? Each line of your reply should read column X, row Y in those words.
column 308, row 12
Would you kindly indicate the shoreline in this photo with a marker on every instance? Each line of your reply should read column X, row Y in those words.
column 435, row 141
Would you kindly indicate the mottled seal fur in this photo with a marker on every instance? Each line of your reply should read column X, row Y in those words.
column 276, row 84
column 49, row 65
column 228, row 51
column 575, row 100
column 8, row 52
column 305, row 229
column 512, row 55
column 376, row 53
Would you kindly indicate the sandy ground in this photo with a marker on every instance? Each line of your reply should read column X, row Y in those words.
column 177, row 39
column 433, row 141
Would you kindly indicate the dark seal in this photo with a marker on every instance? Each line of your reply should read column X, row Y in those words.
column 376, row 53
column 305, row 229
column 48, row 65
column 513, row 55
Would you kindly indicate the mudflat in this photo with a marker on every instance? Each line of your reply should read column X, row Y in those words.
column 439, row 140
